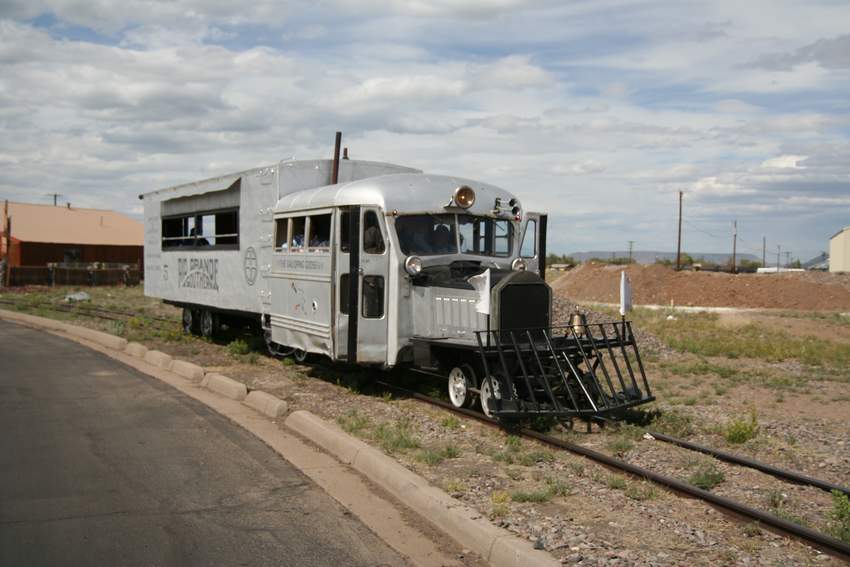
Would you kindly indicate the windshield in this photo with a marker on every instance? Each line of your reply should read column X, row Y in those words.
column 428, row 234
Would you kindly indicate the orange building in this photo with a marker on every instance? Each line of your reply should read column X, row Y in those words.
column 35, row 235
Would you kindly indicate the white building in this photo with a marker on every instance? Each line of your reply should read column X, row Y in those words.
column 839, row 251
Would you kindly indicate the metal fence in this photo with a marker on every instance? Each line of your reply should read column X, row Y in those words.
column 50, row 275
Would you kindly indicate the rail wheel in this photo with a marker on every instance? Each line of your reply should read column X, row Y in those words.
column 190, row 321
column 490, row 389
column 275, row 349
column 210, row 325
column 461, row 381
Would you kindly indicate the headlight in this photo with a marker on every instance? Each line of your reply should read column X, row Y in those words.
column 464, row 196
column 413, row 265
column 518, row 265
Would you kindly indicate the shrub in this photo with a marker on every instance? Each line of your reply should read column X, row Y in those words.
column 707, row 476
column 741, row 430
column 839, row 516
column 238, row 347
column 620, row 445
column 537, row 496
column 436, row 456
column 674, row 423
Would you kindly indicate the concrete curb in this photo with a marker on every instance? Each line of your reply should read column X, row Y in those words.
column 266, row 404
column 495, row 545
column 227, row 387
column 187, row 370
column 105, row 339
column 159, row 359
column 136, row 349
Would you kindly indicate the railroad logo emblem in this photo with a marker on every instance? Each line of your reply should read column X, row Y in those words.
column 249, row 265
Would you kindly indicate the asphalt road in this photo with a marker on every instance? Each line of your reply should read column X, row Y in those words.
column 102, row 465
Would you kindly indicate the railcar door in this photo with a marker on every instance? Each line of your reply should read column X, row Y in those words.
column 533, row 243
column 363, row 252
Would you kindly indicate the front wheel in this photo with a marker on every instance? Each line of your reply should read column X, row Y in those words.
column 490, row 390
column 461, row 381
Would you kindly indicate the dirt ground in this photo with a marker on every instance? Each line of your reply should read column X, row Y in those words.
column 659, row 285
column 793, row 406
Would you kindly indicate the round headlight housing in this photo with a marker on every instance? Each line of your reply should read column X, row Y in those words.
column 464, row 196
column 413, row 265
column 519, row 265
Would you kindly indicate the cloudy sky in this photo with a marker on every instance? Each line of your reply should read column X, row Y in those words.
column 598, row 112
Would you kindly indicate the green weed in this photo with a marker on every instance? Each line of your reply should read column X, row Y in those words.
column 238, row 347
column 396, row 437
column 641, row 491
column 536, row 496
column 706, row 476
column 450, row 422
column 839, row 516
column 741, row 430
column 353, row 422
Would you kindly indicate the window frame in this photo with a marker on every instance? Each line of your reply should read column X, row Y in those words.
column 194, row 247
column 307, row 215
column 528, row 224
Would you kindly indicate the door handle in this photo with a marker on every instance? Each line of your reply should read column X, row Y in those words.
column 360, row 271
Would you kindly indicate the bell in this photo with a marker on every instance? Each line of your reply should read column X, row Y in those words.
column 578, row 322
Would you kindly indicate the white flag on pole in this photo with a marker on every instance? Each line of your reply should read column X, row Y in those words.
column 625, row 294
column 481, row 283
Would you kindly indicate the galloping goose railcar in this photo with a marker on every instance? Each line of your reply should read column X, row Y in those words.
column 389, row 266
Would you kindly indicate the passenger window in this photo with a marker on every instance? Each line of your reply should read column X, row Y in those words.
column 529, row 240
column 344, row 217
column 281, row 235
column 320, row 233
column 373, row 240
column 373, row 297
column 343, row 294
column 296, row 243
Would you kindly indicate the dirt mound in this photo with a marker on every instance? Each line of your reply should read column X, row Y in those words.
column 659, row 285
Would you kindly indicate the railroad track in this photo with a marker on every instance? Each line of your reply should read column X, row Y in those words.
column 731, row 507
column 94, row 312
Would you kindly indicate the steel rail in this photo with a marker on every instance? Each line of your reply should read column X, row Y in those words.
column 98, row 312
column 822, row 541
column 791, row 476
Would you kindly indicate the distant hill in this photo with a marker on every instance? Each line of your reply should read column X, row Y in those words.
column 652, row 256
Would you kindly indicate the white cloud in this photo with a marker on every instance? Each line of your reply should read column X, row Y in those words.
column 594, row 111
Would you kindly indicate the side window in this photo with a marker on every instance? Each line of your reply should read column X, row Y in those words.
column 373, row 240
column 281, row 235
column 212, row 230
column 504, row 232
column 529, row 240
column 343, row 294
column 296, row 242
column 373, row 297
column 320, row 233
column 344, row 245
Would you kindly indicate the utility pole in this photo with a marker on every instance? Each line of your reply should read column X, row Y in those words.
column 679, row 245
column 55, row 197
column 734, row 244
column 631, row 245
column 787, row 258
column 763, row 251
column 778, row 251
